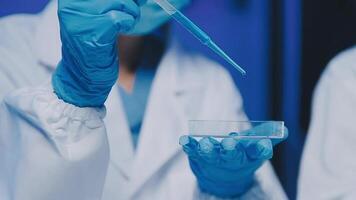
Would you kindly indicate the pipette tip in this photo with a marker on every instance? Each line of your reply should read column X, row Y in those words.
column 240, row 69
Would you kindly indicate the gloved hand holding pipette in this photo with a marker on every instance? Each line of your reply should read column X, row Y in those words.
column 226, row 168
column 89, row 65
column 89, row 31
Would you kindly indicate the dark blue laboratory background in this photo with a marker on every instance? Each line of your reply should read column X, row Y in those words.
column 273, row 41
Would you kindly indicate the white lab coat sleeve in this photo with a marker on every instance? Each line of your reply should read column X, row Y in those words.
column 15, row 56
column 230, row 105
column 328, row 167
column 50, row 149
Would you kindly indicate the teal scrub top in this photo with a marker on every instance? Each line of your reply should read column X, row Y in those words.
column 135, row 102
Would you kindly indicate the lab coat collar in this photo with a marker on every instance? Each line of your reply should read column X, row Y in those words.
column 47, row 37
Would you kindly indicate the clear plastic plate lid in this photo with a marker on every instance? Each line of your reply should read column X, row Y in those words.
column 238, row 129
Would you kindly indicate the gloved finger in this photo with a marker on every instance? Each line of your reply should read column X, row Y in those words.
column 262, row 129
column 285, row 136
column 259, row 149
column 208, row 149
column 189, row 144
column 230, row 150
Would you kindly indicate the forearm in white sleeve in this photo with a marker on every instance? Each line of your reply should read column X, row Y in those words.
column 50, row 149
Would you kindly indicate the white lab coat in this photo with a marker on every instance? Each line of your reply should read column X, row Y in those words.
column 53, row 150
column 328, row 169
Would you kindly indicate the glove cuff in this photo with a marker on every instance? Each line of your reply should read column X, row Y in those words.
column 226, row 190
column 74, row 90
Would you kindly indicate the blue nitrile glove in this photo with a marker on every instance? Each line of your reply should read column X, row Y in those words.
column 226, row 168
column 89, row 65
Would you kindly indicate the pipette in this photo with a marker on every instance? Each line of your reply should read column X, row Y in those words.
column 196, row 31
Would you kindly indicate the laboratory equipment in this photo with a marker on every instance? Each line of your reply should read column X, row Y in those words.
column 197, row 32
column 238, row 129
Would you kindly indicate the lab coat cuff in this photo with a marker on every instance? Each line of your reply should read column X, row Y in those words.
column 75, row 132
column 72, row 127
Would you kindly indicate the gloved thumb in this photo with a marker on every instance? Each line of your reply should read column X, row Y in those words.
column 268, row 129
column 285, row 136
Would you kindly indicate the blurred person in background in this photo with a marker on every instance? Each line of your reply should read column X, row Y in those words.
column 328, row 168
column 55, row 142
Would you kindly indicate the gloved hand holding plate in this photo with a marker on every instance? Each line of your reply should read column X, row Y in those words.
column 224, row 155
